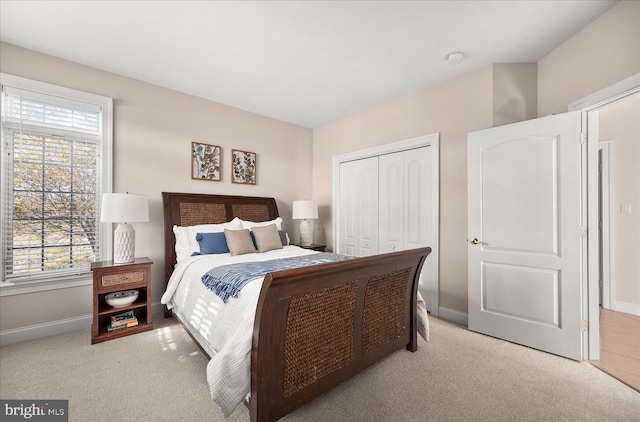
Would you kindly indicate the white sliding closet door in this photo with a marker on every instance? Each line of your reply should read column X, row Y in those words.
column 391, row 227
column 358, row 224
column 406, row 196
column 418, row 198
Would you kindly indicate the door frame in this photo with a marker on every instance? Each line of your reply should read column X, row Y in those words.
column 589, row 108
column 433, row 141
column 604, row 228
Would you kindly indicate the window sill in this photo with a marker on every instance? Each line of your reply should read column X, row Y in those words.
column 8, row 288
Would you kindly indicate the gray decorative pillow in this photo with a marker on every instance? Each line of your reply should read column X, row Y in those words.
column 267, row 238
column 239, row 242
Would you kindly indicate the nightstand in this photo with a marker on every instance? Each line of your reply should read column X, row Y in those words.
column 108, row 278
column 315, row 247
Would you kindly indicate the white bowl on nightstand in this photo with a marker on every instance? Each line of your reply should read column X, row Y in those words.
column 121, row 299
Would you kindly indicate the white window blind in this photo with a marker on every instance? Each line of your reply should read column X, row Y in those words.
column 24, row 107
column 52, row 184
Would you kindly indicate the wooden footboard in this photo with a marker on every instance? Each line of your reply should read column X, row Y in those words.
column 318, row 326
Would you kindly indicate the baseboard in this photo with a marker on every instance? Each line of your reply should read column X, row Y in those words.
column 157, row 308
column 626, row 307
column 463, row 318
column 452, row 315
column 46, row 329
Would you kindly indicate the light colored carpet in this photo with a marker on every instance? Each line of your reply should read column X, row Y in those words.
column 458, row 376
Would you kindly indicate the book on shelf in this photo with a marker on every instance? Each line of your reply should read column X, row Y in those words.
column 111, row 327
column 128, row 323
column 122, row 318
column 124, row 315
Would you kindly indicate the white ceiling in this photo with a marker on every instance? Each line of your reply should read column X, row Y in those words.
column 304, row 62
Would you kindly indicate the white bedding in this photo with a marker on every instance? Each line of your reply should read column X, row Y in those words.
column 225, row 330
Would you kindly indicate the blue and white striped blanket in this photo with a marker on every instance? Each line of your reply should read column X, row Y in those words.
column 227, row 280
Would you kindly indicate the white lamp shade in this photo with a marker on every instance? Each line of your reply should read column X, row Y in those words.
column 305, row 209
column 124, row 208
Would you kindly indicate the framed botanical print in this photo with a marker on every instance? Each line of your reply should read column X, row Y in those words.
column 244, row 167
column 205, row 161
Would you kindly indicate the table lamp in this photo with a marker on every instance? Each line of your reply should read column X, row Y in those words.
column 304, row 210
column 124, row 208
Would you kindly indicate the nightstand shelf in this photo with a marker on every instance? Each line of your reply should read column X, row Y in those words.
column 105, row 309
column 108, row 278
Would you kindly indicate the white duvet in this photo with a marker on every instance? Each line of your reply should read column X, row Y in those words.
column 225, row 330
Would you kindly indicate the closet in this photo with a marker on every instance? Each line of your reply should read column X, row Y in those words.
column 385, row 203
column 387, row 200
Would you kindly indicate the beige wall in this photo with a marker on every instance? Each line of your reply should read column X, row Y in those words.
column 603, row 53
column 453, row 108
column 515, row 92
column 620, row 124
column 153, row 131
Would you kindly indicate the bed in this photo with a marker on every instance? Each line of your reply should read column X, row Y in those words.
column 309, row 329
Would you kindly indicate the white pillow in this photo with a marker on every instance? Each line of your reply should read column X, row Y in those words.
column 250, row 224
column 186, row 243
column 182, row 242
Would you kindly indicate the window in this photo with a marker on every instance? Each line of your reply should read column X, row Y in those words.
column 56, row 163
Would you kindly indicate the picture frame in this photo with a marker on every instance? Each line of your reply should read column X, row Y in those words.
column 244, row 167
column 205, row 161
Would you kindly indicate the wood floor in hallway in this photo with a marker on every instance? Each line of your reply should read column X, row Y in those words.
column 620, row 347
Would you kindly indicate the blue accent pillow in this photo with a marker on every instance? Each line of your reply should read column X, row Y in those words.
column 253, row 239
column 212, row 243
column 283, row 237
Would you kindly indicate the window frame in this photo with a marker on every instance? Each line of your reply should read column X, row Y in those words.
column 105, row 163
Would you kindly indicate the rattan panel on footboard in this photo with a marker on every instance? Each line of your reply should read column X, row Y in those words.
column 311, row 349
column 385, row 302
column 318, row 326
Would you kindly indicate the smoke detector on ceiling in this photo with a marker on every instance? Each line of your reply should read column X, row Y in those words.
column 455, row 57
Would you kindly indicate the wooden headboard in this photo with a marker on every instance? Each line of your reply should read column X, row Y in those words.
column 190, row 209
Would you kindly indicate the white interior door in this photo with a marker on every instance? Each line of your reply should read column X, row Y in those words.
column 526, row 233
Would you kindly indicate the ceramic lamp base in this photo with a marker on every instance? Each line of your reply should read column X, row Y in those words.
column 305, row 233
column 306, row 236
column 124, row 244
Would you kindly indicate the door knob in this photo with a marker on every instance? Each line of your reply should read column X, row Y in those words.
column 474, row 241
